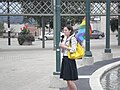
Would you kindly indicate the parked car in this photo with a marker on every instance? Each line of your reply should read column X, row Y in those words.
column 49, row 36
column 96, row 34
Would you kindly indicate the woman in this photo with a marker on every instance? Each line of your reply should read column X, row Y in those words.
column 68, row 68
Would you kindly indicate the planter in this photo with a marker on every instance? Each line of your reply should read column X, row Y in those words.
column 25, row 39
column 27, row 43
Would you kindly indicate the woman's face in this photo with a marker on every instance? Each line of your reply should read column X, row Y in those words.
column 66, row 31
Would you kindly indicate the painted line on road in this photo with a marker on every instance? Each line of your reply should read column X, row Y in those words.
column 84, row 76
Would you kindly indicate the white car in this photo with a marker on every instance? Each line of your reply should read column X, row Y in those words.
column 49, row 36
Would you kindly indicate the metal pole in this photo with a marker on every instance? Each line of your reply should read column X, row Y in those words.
column 57, row 20
column 88, row 52
column 43, row 33
column 9, row 41
column 118, row 30
column 107, row 49
column 119, row 24
column 54, row 25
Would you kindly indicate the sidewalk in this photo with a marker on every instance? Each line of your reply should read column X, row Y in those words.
column 26, row 67
column 30, row 67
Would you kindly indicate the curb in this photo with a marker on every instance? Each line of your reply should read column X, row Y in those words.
column 97, row 75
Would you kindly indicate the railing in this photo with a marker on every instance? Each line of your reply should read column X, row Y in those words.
column 46, row 7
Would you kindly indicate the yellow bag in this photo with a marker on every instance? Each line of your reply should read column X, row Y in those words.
column 78, row 54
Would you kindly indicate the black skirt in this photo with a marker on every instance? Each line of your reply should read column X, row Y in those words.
column 68, row 69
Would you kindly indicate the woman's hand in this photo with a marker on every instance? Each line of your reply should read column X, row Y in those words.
column 62, row 45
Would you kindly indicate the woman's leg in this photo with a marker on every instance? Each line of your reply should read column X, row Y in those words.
column 71, row 85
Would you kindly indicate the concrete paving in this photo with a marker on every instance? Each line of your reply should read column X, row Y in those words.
column 85, row 72
column 26, row 67
column 30, row 67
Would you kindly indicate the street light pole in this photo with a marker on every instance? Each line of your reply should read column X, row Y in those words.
column 9, row 41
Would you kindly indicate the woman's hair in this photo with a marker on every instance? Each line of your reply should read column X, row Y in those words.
column 70, row 28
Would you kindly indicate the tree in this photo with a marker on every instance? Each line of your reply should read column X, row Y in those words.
column 71, row 20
